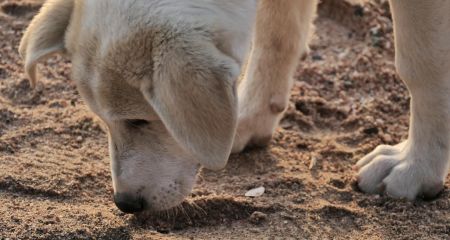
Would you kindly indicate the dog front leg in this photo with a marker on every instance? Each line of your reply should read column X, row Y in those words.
column 417, row 167
column 281, row 36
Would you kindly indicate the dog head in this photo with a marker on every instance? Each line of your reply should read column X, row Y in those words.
column 165, row 89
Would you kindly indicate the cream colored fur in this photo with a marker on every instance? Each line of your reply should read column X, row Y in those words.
column 281, row 35
column 162, row 74
column 417, row 167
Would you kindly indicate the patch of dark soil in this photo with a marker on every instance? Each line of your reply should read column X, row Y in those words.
column 340, row 218
column 338, row 183
column 276, row 187
column 7, row 148
column 344, row 13
column 200, row 213
column 119, row 233
column 316, row 113
column 3, row 72
column 21, row 93
column 19, row 9
column 331, row 211
column 12, row 185
column 7, row 119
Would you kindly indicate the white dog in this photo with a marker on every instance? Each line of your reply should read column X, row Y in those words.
column 162, row 74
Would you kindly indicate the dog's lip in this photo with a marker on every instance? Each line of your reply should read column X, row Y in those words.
column 148, row 212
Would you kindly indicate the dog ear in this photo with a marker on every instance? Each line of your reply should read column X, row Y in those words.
column 45, row 34
column 193, row 92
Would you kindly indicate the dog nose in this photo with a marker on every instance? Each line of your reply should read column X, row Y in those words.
column 129, row 204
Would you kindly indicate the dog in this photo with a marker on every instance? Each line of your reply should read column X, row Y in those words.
column 162, row 75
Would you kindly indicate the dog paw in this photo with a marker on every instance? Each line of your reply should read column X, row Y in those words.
column 255, row 129
column 254, row 132
column 399, row 172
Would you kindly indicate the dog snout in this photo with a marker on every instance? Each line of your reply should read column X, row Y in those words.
column 129, row 204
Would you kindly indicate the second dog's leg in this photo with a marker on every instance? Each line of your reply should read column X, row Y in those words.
column 281, row 37
column 418, row 166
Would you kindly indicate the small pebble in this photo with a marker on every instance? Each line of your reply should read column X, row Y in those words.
column 313, row 162
column 380, row 121
column 386, row 138
column 79, row 139
column 287, row 216
column 255, row 192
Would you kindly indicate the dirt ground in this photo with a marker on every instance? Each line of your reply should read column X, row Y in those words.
column 54, row 167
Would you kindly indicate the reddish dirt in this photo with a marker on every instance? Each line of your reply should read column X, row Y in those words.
column 54, row 168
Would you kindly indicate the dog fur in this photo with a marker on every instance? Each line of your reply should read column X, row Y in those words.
column 162, row 75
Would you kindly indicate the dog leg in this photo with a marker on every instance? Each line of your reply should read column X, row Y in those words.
column 417, row 167
column 281, row 37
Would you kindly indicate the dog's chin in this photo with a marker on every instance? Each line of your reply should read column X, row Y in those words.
column 169, row 197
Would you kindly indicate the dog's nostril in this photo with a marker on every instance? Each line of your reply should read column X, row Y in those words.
column 128, row 204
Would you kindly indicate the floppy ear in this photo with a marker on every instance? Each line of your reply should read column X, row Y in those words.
column 45, row 34
column 193, row 92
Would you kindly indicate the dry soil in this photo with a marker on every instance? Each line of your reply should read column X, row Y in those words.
column 54, row 168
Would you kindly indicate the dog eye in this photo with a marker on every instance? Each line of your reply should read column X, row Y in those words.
column 137, row 122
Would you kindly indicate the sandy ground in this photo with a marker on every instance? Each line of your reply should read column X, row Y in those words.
column 54, row 167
